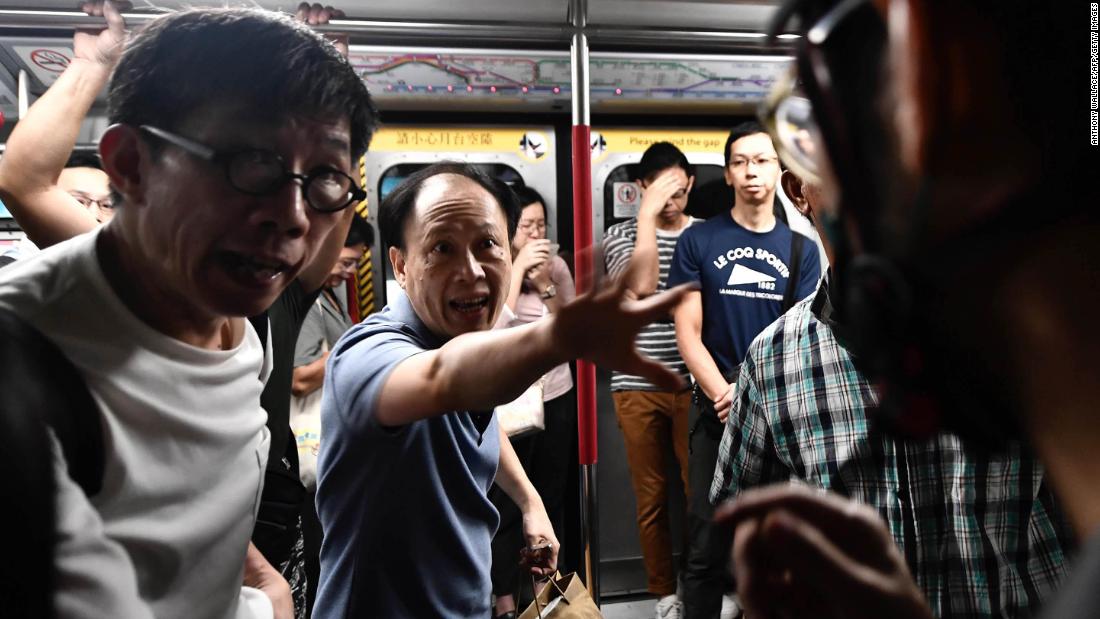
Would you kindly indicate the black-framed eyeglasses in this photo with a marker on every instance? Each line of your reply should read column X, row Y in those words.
column 259, row 172
column 825, row 116
column 88, row 201
column 759, row 161
column 788, row 117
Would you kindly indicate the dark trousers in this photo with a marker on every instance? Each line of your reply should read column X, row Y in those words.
column 546, row 458
column 706, row 577
column 311, row 530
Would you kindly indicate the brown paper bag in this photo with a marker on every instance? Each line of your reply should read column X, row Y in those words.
column 564, row 597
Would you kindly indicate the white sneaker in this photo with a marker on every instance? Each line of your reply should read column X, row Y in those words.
column 730, row 608
column 669, row 607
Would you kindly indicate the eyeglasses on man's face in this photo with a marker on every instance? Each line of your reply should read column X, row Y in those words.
column 760, row 161
column 817, row 114
column 88, row 201
column 259, row 172
column 788, row 116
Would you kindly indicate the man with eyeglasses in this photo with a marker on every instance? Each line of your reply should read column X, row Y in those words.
column 965, row 241
column 232, row 170
column 802, row 410
column 51, row 206
column 750, row 268
column 82, row 178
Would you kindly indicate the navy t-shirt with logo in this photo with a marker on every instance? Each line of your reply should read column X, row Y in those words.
column 742, row 276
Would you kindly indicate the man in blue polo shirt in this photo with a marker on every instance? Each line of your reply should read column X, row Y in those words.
column 410, row 443
column 748, row 265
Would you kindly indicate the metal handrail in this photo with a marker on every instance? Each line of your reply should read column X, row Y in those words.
column 495, row 34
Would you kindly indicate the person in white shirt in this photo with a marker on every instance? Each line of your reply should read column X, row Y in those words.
column 229, row 171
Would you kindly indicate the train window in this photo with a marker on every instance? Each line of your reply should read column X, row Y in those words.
column 395, row 175
column 7, row 222
column 619, row 190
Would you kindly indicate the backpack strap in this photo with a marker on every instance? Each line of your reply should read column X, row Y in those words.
column 52, row 389
column 259, row 323
column 797, row 241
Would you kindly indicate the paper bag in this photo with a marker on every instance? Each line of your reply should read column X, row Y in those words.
column 564, row 597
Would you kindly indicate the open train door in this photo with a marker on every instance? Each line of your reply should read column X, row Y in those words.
column 615, row 198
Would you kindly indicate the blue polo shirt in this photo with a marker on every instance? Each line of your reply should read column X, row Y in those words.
column 743, row 276
column 407, row 521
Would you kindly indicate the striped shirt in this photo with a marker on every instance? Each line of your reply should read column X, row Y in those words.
column 981, row 533
column 657, row 340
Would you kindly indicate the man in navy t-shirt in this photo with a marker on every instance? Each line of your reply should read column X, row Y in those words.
column 742, row 262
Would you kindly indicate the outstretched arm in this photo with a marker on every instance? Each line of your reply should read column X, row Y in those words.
column 453, row 377
column 42, row 141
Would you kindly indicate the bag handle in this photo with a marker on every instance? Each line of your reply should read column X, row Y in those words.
column 535, row 593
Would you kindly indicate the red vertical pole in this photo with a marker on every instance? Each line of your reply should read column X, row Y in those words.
column 582, row 241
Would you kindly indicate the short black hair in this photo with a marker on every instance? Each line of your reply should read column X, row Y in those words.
column 749, row 127
column 360, row 232
column 399, row 204
column 662, row 156
column 263, row 61
column 84, row 159
column 526, row 196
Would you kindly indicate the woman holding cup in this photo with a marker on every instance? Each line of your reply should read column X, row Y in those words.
column 541, row 284
column 539, row 276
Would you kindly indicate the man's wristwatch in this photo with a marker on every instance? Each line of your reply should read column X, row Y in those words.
column 549, row 292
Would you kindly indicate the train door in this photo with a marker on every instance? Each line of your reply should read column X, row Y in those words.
column 515, row 155
column 615, row 198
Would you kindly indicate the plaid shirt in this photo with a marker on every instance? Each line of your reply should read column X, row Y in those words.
column 981, row 534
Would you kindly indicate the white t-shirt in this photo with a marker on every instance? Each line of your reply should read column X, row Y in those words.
column 185, row 449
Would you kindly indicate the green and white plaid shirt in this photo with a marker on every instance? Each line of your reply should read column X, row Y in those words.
column 981, row 534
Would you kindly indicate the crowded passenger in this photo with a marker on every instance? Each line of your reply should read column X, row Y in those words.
column 200, row 239
column 36, row 192
column 52, row 191
column 82, row 178
column 651, row 418
column 280, row 535
column 411, row 444
column 540, row 284
column 981, row 534
column 965, row 244
column 750, row 268
column 328, row 319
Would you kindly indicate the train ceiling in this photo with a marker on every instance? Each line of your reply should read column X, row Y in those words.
column 745, row 15
column 649, row 56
